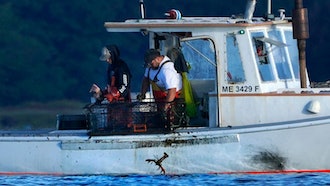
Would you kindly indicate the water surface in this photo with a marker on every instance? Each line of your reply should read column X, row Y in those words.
column 166, row 180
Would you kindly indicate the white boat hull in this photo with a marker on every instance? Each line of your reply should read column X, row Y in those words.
column 300, row 146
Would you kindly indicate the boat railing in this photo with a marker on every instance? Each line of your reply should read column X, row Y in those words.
column 136, row 117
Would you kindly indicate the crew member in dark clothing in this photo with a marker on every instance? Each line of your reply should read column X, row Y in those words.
column 118, row 77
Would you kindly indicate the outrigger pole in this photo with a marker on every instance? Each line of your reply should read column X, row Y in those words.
column 301, row 33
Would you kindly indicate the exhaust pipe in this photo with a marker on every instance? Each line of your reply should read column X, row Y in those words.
column 301, row 33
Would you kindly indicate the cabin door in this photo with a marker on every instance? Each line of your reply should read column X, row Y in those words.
column 201, row 56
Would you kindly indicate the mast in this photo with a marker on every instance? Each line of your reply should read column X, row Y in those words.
column 301, row 33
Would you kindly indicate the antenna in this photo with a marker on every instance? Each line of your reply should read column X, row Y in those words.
column 269, row 15
column 250, row 7
column 269, row 7
column 142, row 9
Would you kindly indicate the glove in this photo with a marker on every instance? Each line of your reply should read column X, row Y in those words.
column 140, row 97
column 114, row 91
column 96, row 91
column 109, row 97
column 113, row 94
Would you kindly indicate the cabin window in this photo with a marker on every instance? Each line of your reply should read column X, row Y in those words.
column 262, row 58
column 200, row 54
column 277, row 48
column 293, row 52
column 235, row 72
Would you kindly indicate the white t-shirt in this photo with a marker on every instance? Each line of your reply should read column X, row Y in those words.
column 167, row 77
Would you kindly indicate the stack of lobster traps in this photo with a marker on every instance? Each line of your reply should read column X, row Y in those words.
column 136, row 117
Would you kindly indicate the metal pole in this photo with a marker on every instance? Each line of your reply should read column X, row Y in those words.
column 301, row 33
column 142, row 9
column 250, row 7
column 269, row 9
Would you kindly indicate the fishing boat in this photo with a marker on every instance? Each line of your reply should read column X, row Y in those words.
column 250, row 107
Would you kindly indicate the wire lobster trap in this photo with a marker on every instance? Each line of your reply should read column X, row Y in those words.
column 136, row 117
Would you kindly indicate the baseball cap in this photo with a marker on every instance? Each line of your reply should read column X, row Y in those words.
column 105, row 54
column 150, row 55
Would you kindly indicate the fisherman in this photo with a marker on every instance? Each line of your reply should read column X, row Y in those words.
column 160, row 72
column 117, row 91
column 118, row 77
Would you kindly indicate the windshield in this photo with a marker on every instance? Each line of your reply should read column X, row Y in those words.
column 200, row 54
